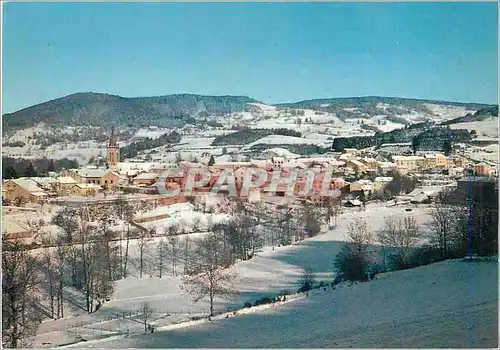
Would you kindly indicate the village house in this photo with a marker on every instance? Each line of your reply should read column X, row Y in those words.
column 385, row 168
column 409, row 162
column 435, row 160
column 23, row 190
column 46, row 183
column 365, row 186
column 380, row 182
column 278, row 161
column 461, row 162
column 356, row 165
column 145, row 179
column 64, row 185
column 370, row 162
column 102, row 177
column 85, row 189
column 482, row 169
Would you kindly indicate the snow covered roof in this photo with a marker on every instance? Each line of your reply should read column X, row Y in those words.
column 92, row 172
column 66, row 180
column 38, row 194
column 41, row 180
column 364, row 182
column 335, row 162
column 383, row 179
column 356, row 162
column 387, row 165
column 146, row 176
column 407, row 157
column 28, row 185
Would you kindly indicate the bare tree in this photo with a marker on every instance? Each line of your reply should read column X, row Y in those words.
column 146, row 313
column 66, row 219
column 187, row 247
column 35, row 227
column 178, row 157
column 51, row 280
column 284, row 225
column 61, row 258
column 252, row 237
column 19, row 281
column 442, row 227
column 353, row 261
column 161, row 253
column 99, row 285
column 359, row 234
column 196, row 223
column 401, row 235
column 333, row 209
column 127, row 244
column 125, row 213
column 310, row 220
column 143, row 243
column 208, row 275
column 174, row 251
column 104, row 222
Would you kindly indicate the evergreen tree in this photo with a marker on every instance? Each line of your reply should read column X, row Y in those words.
column 211, row 161
column 447, row 147
column 10, row 173
column 415, row 144
column 30, row 171
column 51, row 167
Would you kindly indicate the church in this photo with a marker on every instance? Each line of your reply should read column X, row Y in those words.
column 128, row 169
column 113, row 155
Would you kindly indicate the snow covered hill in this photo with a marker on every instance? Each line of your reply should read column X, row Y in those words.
column 447, row 304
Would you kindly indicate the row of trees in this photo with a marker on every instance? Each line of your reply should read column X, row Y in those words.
column 451, row 233
column 13, row 168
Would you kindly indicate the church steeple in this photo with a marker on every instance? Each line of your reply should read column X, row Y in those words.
column 113, row 150
column 112, row 138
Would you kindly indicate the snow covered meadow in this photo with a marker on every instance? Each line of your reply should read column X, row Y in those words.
column 447, row 304
column 266, row 274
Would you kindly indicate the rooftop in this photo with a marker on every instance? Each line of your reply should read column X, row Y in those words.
column 29, row 185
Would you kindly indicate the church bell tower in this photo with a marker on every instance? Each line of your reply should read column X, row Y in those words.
column 113, row 151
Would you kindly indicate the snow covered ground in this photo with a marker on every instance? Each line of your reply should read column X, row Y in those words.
column 447, row 304
column 279, row 139
column 484, row 128
column 266, row 274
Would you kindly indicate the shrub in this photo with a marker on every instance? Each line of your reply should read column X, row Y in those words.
column 425, row 256
column 307, row 281
column 248, row 304
column 351, row 263
column 263, row 301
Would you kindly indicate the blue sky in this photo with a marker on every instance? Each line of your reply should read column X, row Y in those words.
column 272, row 52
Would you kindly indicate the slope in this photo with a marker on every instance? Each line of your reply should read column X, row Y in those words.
column 447, row 304
column 98, row 109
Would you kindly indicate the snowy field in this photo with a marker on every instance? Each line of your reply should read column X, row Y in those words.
column 443, row 305
column 268, row 273
column 484, row 128
column 197, row 140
